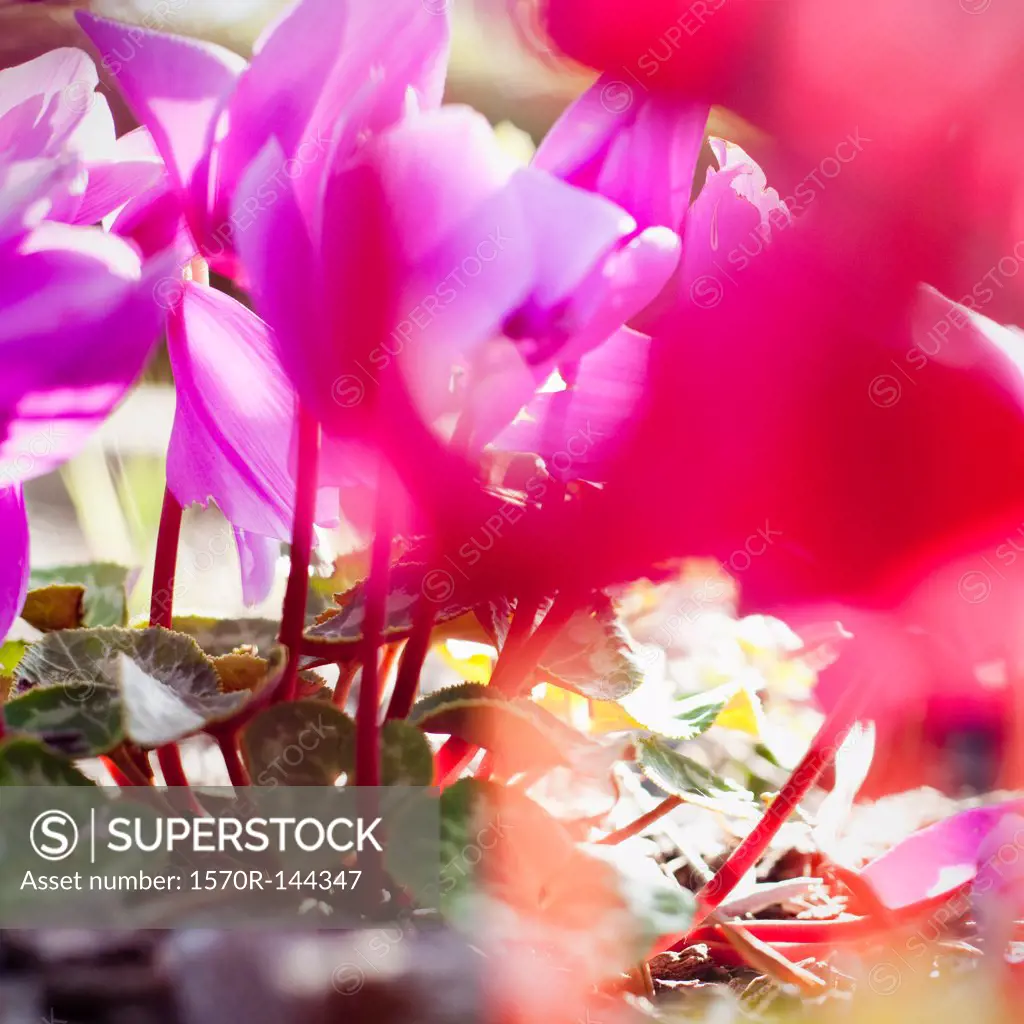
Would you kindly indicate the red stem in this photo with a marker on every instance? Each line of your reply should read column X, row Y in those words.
column 411, row 665
column 368, row 709
column 161, row 611
column 161, row 605
column 634, row 828
column 293, row 612
column 343, row 687
column 821, row 753
column 237, row 771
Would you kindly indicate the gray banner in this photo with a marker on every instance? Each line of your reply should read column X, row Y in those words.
column 314, row 857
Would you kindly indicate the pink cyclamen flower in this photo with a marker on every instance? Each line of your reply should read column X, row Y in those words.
column 210, row 114
column 435, row 258
column 67, row 292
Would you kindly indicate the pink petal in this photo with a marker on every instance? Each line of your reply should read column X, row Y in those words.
column 284, row 277
column 134, row 167
column 232, row 436
column 175, row 86
column 935, row 862
column 640, row 151
column 258, row 559
column 69, row 294
column 575, row 430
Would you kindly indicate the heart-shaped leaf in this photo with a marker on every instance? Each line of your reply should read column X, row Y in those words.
column 405, row 756
column 57, row 606
column 681, row 776
column 168, row 687
column 447, row 695
column 301, row 743
column 106, row 584
column 409, row 583
column 521, row 735
column 76, row 719
column 26, row 762
column 594, row 655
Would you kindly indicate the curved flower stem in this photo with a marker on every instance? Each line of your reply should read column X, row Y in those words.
column 411, row 664
column 161, row 604
column 368, row 709
column 343, row 687
column 237, row 772
column 161, row 612
column 293, row 612
column 634, row 828
column 820, row 754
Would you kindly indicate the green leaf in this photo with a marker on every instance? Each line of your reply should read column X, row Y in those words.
column 25, row 762
column 694, row 715
column 679, row 775
column 521, row 735
column 408, row 583
column 168, row 687
column 405, row 756
column 76, row 719
column 440, row 699
column 57, row 606
column 223, row 636
column 11, row 653
column 302, row 743
column 106, row 597
column 593, row 655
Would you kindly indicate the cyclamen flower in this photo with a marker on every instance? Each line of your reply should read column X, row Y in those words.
column 371, row 296
column 210, row 115
column 67, row 292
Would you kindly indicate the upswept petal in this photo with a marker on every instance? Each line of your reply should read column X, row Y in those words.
column 58, row 385
column 258, row 559
column 14, row 561
column 175, row 86
column 576, row 430
column 640, row 153
column 275, row 95
column 134, row 167
column 284, row 275
column 59, row 89
column 233, row 426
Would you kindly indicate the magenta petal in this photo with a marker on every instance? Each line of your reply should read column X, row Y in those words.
column 134, row 168
column 258, row 558
column 79, row 321
column 936, row 861
column 235, row 416
column 728, row 226
column 642, row 154
column 390, row 49
column 284, row 277
column 576, row 430
column 14, row 561
column 175, row 86
column 59, row 85
column 275, row 95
